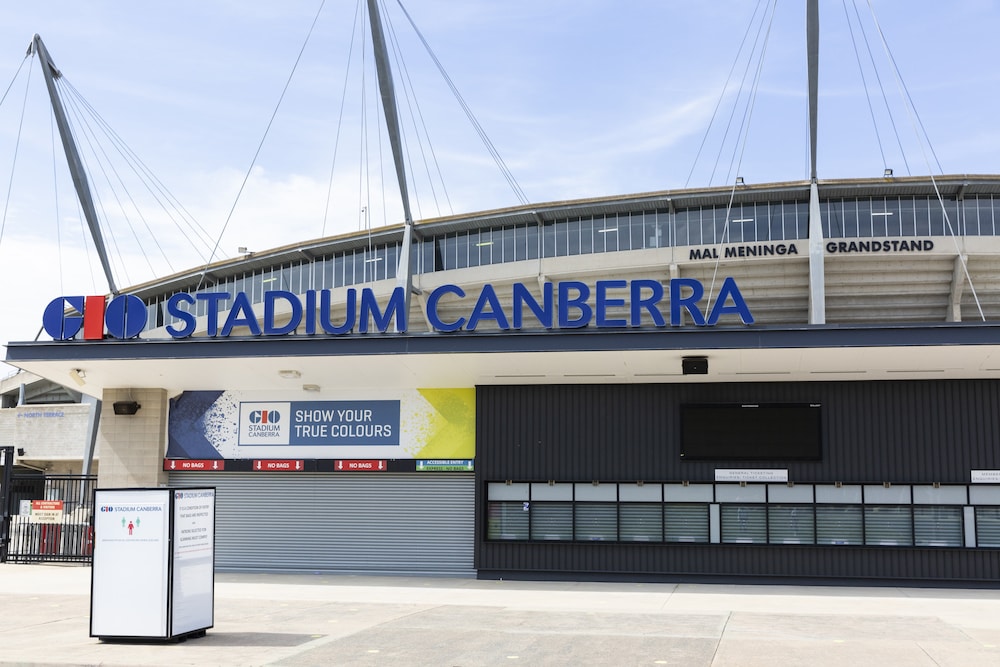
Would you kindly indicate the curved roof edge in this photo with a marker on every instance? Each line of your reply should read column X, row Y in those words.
column 948, row 185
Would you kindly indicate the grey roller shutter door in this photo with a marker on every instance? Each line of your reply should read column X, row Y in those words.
column 359, row 523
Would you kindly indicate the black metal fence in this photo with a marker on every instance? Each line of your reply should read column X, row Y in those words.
column 50, row 518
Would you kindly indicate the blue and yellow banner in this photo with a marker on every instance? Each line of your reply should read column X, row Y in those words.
column 384, row 424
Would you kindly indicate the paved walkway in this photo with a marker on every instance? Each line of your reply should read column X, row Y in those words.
column 265, row 619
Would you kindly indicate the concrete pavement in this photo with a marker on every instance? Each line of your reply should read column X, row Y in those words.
column 322, row 619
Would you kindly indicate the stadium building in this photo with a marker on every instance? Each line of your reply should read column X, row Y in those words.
column 795, row 380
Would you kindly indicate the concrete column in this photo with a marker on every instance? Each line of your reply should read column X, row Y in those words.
column 132, row 446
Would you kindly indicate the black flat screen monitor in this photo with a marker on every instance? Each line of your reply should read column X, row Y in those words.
column 751, row 431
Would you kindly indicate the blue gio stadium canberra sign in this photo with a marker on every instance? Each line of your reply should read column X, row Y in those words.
column 563, row 305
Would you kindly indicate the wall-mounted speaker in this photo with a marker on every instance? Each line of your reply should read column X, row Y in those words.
column 126, row 407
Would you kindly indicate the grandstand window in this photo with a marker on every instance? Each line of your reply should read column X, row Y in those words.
column 561, row 238
column 508, row 240
column 721, row 234
column 574, row 236
column 587, row 242
column 880, row 218
column 834, row 215
column 392, row 260
column 354, row 267
column 683, row 228
column 907, row 216
column 922, row 217
column 533, row 242
column 628, row 234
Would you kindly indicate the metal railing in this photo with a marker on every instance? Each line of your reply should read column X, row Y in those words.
column 50, row 518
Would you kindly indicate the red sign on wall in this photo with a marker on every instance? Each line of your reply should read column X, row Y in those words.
column 284, row 465
column 193, row 464
column 353, row 465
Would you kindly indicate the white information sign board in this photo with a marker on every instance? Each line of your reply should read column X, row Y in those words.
column 985, row 477
column 194, row 560
column 130, row 571
column 751, row 475
column 153, row 574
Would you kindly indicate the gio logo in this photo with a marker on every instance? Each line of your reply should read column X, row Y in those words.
column 124, row 316
column 265, row 417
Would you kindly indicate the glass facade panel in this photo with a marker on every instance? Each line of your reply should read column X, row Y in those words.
column 801, row 230
column 921, row 216
column 907, row 216
column 970, row 217
column 888, row 525
column 463, row 248
column 833, row 214
column 744, row 524
column 595, row 522
column 392, row 260
column 882, row 218
column 548, row 240
column 532, row 243
column 685, row 522
column 838, row 524
column 988, row 527
column 551, row 521
column 561, row 238
column 790, row 524
column 936, row 526
column 987, row 217
column 852, row 214
column 589, row 244
column 685, row 229
column 507, row 520
column 508, row 241
column 640, row 522
column 721, row 233
column 510, row 516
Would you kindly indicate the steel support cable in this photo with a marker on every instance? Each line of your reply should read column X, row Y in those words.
column 902, row 86
column 128, row 195
column 722, row 95
column 507, row 174
column 166, row 200
column 84, row 130
column 745, row 132
column 73, row 113
column 864, row 82
column 885, row 98
column 736, row 102
column 253, row 161
column 340, row 116
column 412, row 102
column 423, row 125
column 921, row 140
column 10, row 85
column 748, row 109
column 17, row 143
column 84, row 234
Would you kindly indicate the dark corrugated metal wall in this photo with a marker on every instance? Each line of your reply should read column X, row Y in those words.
column 913, row 432
column 890, row 431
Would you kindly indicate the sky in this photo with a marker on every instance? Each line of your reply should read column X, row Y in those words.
column 581, row 98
